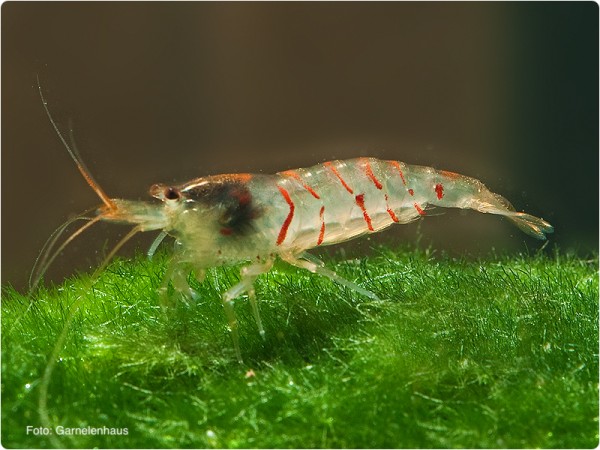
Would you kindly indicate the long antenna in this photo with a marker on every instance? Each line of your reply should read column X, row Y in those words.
column 80, row 165
column 41, row 263
column 49, row 258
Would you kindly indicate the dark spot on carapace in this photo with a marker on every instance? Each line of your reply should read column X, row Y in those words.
column 411, row 192
column 439, row 190
column 233, row 198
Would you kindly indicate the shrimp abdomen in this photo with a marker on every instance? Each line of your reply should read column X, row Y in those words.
column 339, row 200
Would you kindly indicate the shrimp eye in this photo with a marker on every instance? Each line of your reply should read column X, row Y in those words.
column 172, row 193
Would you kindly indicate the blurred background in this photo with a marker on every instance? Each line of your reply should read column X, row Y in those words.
column 166, row 92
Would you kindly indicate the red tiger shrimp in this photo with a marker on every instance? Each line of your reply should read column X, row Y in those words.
column 235, row 218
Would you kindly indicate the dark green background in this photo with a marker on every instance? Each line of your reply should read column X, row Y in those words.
column 164, row 92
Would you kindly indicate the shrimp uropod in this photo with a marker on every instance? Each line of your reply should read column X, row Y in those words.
column 227, row 219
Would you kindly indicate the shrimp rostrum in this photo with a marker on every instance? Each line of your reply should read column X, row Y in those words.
column 255, row 218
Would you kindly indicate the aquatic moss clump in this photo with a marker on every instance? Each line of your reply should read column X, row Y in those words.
column 457, row 353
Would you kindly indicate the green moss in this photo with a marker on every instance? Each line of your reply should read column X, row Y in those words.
column 499, row 353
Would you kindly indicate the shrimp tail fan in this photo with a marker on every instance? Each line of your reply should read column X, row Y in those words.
column 534, row 226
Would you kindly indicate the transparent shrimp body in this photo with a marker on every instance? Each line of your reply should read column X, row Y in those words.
column 227, row 219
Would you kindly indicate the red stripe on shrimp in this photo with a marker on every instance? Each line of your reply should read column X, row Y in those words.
column 450, row 175
column 322, row 232
column 360, row 201
column 396, row 164
column 370, row 174
column 389, row 210
column 293, row 174
column 288, row 219
column 331, row 167
column 419, row 210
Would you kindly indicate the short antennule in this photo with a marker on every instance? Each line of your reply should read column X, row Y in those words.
column 75, row 157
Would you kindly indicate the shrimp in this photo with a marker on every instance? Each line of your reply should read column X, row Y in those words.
column 255, row 218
